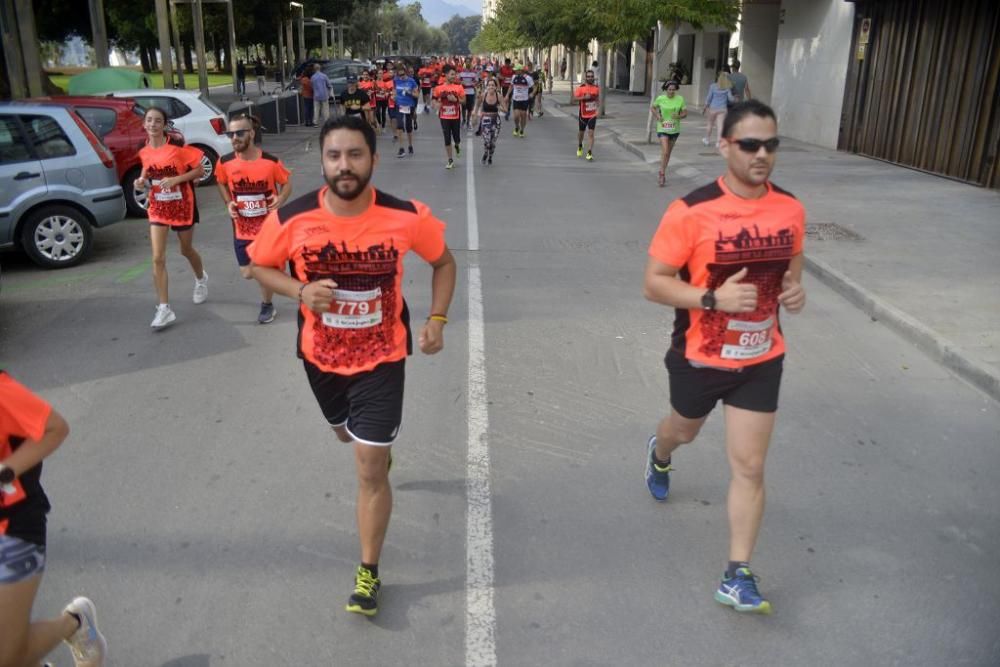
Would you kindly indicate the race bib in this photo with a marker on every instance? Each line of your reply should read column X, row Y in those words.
column 251, row 206
column 448, row 110
column 166, row 194
column 590, row 106
column 404, row 109
column 470, row 91
column 669, row 125
column 354, row 310
column 12, row 493
column 747, row 340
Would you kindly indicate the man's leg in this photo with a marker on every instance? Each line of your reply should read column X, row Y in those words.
column 748, row 435
column 23, row 642
column 374, row 499
column 590, row 140
column 674, row 431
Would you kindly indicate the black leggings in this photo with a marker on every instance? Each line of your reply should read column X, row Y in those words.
column 452, row 130
column 381, row 107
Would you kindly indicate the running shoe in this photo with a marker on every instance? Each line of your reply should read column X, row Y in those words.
column 484, row 158
column 164, row 316
column 490, row 161
column 458, row 151
column 662, row 179
column 401, row 153
column 515, row 131
column 705, row 140
column 364, row 600
column 267, row 313
column 657, row 477
column 410, row 151
column 87, row 644
column 200, row 288
column 590, row 156
column 740, row 592
column 450, row 165
column 579, row 151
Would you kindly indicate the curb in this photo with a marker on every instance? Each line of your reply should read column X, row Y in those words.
column 977, row 373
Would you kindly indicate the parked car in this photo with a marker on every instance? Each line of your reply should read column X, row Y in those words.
column 197, row 117
column 57, row 182
column 338, row 70
column 118, row 124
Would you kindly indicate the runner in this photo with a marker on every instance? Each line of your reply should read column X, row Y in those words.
column 345, row 244
column 406, row 104
column 167, row 174
column 536, row 94
column 306, row 90
column 520, row 97
column 427, row 75
column 355, row 101
column 469, row 78
column 668, row 109
column 367, row 86
column 383, row 91
column 449, row 100
column 726, row 257
column 506, row 78
column 252, row 184
column 589, row 96
column 30, row 430
column 411, row 74
column 491, row 103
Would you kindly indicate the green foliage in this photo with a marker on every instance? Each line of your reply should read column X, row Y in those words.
column 461, row 31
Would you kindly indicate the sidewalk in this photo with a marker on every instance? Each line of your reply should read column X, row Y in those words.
column 902, row 245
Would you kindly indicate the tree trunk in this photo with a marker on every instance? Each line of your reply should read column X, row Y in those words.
column 227, row 56
column 144, row 58
column 572, row 73
column 188, row 60
column 602, row 65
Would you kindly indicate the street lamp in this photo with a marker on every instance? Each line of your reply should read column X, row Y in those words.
column 302, row 29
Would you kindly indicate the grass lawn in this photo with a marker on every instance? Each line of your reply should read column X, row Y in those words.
column 155, row 79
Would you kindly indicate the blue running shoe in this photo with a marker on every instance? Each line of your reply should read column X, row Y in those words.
column 740, row 592
column 657, row 477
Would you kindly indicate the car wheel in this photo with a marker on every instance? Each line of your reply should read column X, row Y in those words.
column 208, row 161
column 136, row 200
column 56, row 236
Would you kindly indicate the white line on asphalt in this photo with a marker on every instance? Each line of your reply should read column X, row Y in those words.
column 480, row 614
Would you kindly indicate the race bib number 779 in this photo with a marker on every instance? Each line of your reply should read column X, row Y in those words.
column 354, row 310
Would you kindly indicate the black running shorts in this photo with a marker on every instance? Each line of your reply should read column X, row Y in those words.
column 521, row 105
column 694, row 391
column 369, row 404
column 587, row 123
column 452, row 128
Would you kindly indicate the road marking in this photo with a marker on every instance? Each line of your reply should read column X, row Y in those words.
column 480, row 614
column 134, row 272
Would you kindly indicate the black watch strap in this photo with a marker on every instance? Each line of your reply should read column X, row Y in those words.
column 708, row 300
column 6, row 475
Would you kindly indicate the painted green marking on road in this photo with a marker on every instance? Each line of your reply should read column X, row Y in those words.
column 56, row 281
column 134, row 272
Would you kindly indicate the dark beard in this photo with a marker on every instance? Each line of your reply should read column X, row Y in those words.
column 352, row 194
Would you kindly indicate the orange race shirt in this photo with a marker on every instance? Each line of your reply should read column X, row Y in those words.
column 506, row 75
column 369, row 87
column 383, row 90
column 23, row 504
column 451, row 95
column 589, row 97
column 426, row 76
column 368, row 322
column 711, row 234
column 174, row 207
column 250, row 183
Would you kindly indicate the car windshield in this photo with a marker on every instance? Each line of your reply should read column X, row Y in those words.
column 210, row 104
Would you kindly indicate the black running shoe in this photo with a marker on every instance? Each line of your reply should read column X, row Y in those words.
column 364, row 599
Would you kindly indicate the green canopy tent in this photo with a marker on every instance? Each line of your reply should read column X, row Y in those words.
column 106, row 80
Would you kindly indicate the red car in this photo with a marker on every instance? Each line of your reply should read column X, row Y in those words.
column 118, row 123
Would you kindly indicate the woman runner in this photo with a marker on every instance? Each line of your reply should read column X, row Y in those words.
column 167, row 174
column 490, row 105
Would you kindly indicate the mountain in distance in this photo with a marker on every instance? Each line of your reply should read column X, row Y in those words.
column 436, row 12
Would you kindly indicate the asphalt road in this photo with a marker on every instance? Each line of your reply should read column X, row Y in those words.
column 201, row 501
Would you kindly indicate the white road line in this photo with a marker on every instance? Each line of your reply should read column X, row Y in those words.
column 480, row 614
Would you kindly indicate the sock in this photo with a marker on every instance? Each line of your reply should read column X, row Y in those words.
column 735, row 565
column 79, row 621
column 371, row 568
column 658, row 462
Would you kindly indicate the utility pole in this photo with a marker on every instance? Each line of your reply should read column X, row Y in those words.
column 163, row 31
column 199, row 45
column 12, row 50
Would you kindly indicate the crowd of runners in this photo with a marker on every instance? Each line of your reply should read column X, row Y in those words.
column 337, row 252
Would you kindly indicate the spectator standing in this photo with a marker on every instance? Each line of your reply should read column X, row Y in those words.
column 321, row 94
column 720, row 96
column 241, row 77
column 259, row 71
column 741, row 84
column 308, row 107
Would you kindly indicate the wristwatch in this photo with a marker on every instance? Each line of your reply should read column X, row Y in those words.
column 708, row 300
column 6, row 475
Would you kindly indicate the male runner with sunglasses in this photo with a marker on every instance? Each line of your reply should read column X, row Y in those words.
column 726, row 257
column 252, row 184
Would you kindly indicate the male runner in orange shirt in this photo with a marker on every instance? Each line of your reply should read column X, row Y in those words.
column 252, row 184
column 727, row 257
column 345, row 245
column 589, row 96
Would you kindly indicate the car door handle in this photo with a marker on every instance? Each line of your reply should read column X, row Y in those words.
column 25, row 175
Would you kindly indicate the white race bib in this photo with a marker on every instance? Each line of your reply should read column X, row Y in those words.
column 354, row 310
column 251, row 206
column 166, row 194
column 747, row 340
column 404, row 110
column 669, row 125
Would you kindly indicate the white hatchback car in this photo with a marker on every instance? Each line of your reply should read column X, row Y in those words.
column 200, row 120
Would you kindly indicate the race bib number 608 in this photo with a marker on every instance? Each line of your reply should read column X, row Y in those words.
column 747, row 340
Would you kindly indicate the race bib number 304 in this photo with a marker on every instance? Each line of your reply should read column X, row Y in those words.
column 747, row 340
column 252, row 206
column 354, row 310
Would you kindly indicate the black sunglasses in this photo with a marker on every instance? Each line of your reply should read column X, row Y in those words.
column 753, row 145
column 236, row 133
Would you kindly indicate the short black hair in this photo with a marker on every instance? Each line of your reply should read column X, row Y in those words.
column 739, row 111
column 447, row 68
column 349, row 122
column 736, row 64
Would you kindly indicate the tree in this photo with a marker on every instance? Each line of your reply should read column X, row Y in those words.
column 461, row 31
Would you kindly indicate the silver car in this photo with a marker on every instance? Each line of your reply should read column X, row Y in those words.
column 57, row 182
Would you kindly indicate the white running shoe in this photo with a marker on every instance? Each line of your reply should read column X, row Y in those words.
column 705, row 140
column 164, row 316
column 87, row 644
column 201, row 288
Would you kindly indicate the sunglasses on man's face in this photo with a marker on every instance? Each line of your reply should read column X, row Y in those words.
column 237, row 133
column 753, row 145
